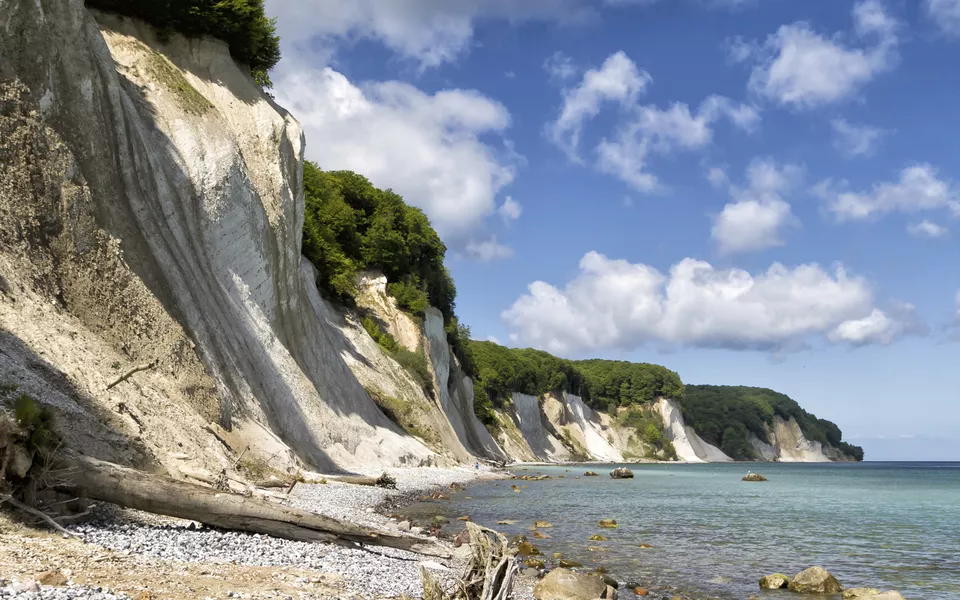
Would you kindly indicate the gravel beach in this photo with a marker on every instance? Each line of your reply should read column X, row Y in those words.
column 371, row 572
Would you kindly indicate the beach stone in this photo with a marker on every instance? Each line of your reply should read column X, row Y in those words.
column 569, row 564
column 639, row 591
column 541, row 535
column 564, row 584
column 404, row 526
column 597, row 538
column 26, row 586
column 531, row 572
column 557, row 555
column 416, row 530
column 610, row 593
column 885, row 596
column 591, row 474
column 815, row 580
column 607, row 523
column 535, row 563
column 853, row 593
column 528, row 549
column 644, row 546
column 774, row 582
column 621, row 473
column 610, row 581
column 52, row 578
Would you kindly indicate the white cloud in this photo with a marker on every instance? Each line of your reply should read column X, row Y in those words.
column 918, row 189
column 801, row 68
column 431, row 32
column 717, row 177
column 617, row 80
column 927, row 228
column 618, row 304
column 878, row 327
column 487, row 250
column 510, row 210
column 426, row 147
column 755, row 219
column 648, row 130
column 945, row 13
column 560, row 67
column 855, row 140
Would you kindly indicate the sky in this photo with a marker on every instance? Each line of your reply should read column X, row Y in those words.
column 749, row 192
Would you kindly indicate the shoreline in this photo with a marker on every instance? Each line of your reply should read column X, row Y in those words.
column 183, row 559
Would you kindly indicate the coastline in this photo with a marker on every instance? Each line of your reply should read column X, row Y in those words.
column 178, row 558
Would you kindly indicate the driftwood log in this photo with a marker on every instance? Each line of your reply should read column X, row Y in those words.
column 108, row 482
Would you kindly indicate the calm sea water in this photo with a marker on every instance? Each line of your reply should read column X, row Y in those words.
column 884, row 525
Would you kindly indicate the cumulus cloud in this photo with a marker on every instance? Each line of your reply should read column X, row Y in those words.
column 758, row 214
column 487, row 250
column 642, row 130
column 510, row 210
column 617, row 80
column 560, row 67
column 431, row 32
column 617, row 304
column 945, row 13
column 878, row 327
column 918, row 189
column 927, row 228
column 427, row 147
column 853, row 140
column 801, row 68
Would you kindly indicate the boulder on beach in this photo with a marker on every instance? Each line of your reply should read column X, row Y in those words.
column 774, row 582
column 621, row 473
column 607, row 523
column 815, row 580
column 564, row 584
column 855, row 593
column 754, row 477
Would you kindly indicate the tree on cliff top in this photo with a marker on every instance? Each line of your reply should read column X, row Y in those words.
column 350, row 225
column 242, row 24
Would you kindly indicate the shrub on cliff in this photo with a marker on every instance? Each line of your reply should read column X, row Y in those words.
column 242, row 24
column 625, row 383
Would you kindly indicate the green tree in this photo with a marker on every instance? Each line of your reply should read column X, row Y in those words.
column 652, row 436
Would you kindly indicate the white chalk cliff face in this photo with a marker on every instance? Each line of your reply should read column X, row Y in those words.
column 690, row 447
column 152, row 202
column 791, row 445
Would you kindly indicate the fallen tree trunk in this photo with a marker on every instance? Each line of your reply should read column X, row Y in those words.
column 108, row 482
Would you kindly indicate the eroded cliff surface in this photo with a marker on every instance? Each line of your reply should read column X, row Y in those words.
column 151, row 213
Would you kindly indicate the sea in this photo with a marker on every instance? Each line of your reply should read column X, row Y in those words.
column 711, row 535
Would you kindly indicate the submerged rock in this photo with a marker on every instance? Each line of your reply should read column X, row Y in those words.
column 597, row 538
column 860, row 593
column 815, row 580
column 607, row 523
column 774, row 582
column 543, row 524
column 591, row 474
column 569, row 564
column 564, row 584
column 528, row 549
column 621, row 473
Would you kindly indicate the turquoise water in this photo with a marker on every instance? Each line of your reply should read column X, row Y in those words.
column 884, row 525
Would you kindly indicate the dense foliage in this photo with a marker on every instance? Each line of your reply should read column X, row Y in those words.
column 726, row 415
column 242, row 24
column 350, row 225
column 614, row 383
column 649, row 428
column 501, row 371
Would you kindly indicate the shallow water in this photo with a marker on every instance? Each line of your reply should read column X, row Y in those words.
column 883, row 525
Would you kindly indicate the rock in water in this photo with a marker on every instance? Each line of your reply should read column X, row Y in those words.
column 621, row 473
column 854, row 593
column 564, row 584
column 607, row 524
column 591, row 474
column 815, row 580
column 754, row 477
column 774, row 582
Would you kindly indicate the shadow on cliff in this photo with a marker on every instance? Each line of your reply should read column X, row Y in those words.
column 92, row 429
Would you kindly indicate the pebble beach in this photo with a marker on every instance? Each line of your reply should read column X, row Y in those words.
column 339, row 571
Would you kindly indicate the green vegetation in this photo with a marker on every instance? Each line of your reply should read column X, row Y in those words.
column 415, row 363
column 162, row 70
column 649, row 428
column 36, row 421
column 725, row 416
column 242, row 24
column 349, row 226
column 621, row 383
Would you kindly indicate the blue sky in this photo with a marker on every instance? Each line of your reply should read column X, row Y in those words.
column 749, row 192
